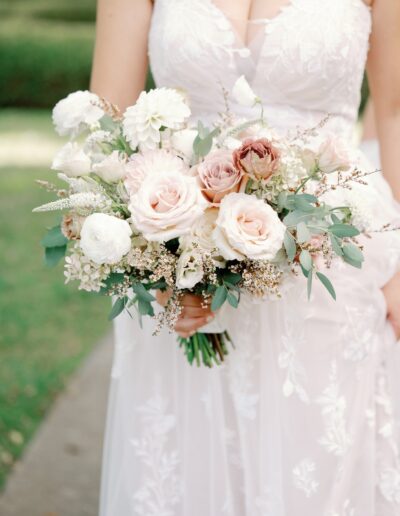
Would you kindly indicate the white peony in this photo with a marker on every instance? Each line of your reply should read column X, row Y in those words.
column 243, row 94
column 111, row 168
column 151, row 162
column 247, row 227
column 166, row 206
column 182, row 142
column 72, row 160
column 162, row 107
column 334, row 155
column 105, row 239
column 77, row 111
column 189, row 269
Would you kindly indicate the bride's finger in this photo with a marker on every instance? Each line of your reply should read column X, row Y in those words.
column 195, row 311
column 190, row 325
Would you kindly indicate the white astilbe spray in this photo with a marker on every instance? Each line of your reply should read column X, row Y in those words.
column 90, row 275
column 82, row 202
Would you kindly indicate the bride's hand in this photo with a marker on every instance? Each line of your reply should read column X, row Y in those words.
column 392, row 294
column 193, row 316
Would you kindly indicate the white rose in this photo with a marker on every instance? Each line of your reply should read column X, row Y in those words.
column 111, row 168
column 182, row 142
column 189, row 269
column 72, row 160
column 79, row 109
column 166, row 206
column 201, row 234
column 333, row 155
column 243, row 94
column 105, row 239
column 247, row 227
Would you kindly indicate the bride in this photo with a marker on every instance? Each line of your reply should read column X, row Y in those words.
column 302, row 418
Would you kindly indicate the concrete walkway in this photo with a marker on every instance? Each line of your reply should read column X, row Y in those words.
column 59, row 474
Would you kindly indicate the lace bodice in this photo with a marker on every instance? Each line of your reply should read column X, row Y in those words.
column 304, row 63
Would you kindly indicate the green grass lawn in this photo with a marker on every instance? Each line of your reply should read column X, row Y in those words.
column 46, row 327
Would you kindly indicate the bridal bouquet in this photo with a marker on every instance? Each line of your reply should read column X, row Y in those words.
column 152, row 202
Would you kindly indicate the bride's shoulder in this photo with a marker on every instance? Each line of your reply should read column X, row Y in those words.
column 368, row 2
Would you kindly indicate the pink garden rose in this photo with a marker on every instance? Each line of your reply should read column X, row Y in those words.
column 151, row 162
column 257, row 158
column 218, row 176
column 166, row 206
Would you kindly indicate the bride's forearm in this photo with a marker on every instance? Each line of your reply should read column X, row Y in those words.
column 120, row 56
column 389, row 139
column 384, row 78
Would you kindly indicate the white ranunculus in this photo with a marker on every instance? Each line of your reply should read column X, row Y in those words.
column 182, row 142
column 72, row 160
column 189, row 269
column 151, row 162
column 111, row 168
column 79, row 110
column 248, row 227
column 334, row 155
column 162, row 107
column 243, row 94
column 105, row 239
column 166, row 205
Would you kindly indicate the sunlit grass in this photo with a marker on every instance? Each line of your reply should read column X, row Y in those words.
column 46, row 327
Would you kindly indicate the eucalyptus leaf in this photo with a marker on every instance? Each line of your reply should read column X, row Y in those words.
column 303, row 233
column 54, row 238
column 145, row 307
column 309, row 283
column 118, row 307
column 53, row 255
column 336, row 246
column 202, row 146
column 290, row 245
column 351, row 262
column 219, row 298
column 306, row 260
column 303, row 205
column 352, row 252
column 142, row 294
column 232, row 277
column 232, row 300
column 343, row 230
column 113, row 279
column 327, row 284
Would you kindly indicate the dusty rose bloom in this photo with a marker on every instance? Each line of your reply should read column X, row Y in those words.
column 71, row 226
column 257, row 158
column 218, row 176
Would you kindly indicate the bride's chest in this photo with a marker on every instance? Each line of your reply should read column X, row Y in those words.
column 303, row 32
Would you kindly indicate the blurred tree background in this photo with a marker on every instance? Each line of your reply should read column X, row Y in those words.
column 45, row 50
column 46, row 328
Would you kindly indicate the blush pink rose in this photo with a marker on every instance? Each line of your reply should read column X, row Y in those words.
column 218, row 176
column 166, row 206
column 257, row 158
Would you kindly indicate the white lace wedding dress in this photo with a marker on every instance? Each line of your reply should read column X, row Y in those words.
column 302, row 419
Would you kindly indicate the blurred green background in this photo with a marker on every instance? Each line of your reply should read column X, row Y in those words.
column 46, row 327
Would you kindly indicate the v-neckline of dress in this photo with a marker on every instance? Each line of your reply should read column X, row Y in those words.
column 244, row 43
